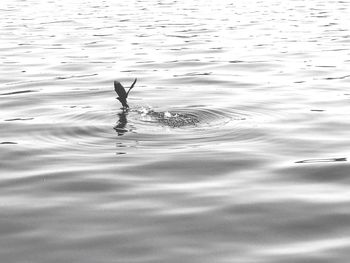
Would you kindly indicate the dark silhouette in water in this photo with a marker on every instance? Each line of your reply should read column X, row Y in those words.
column 123, row 95
column 120, row 127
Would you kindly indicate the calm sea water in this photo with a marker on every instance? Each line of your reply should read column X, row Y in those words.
column 260, row 175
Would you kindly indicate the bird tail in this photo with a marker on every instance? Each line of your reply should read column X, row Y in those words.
column 132, row 85
column 119, row 89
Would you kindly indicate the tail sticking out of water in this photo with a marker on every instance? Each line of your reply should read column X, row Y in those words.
column 123, row 95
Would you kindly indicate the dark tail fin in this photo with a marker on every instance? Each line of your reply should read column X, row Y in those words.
column 132, row 85
column 119, row 89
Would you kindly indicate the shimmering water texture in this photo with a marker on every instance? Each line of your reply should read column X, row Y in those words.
column 234, row 147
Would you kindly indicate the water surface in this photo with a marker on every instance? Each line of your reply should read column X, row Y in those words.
column 259, row 174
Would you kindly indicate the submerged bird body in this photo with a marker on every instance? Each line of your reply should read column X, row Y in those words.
column 123, row 95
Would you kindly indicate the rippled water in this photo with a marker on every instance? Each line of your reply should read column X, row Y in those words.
column 234, row 149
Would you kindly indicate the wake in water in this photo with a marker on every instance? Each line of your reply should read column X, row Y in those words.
column 148, row 115
column 172, row 119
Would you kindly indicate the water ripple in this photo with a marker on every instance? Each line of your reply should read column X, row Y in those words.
column 243, row 156
column 190, row 125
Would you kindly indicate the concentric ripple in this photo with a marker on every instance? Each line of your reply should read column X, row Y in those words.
column 185, row 118
column 191, row 125
column 73, row 128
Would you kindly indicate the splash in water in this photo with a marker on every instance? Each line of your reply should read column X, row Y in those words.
column 168, row 118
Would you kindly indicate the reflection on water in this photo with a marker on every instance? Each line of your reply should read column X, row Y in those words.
column 234, row 148
column 120, row 127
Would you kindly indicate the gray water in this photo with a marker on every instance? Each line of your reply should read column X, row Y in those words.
column 261, row 174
